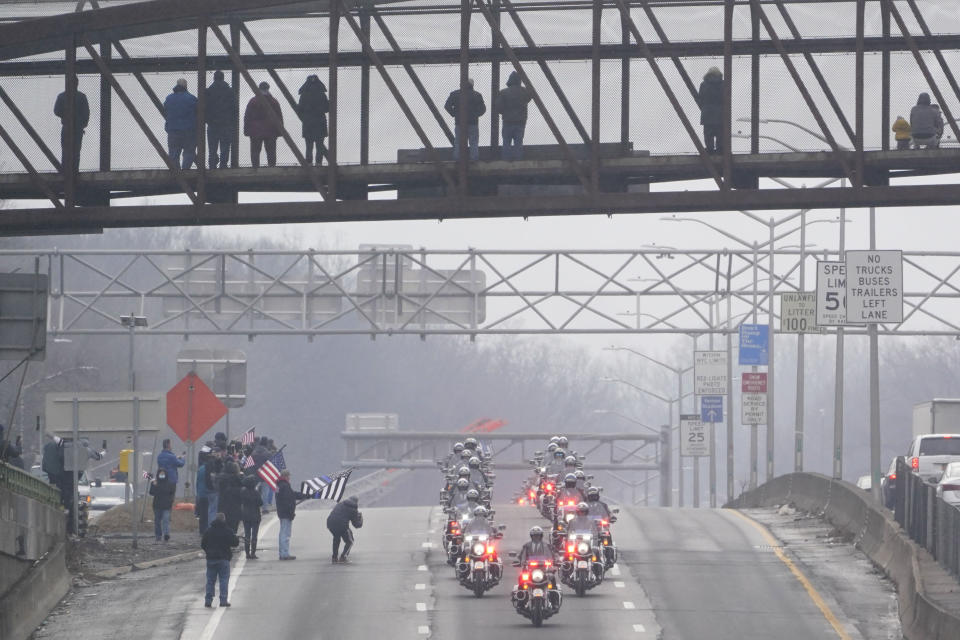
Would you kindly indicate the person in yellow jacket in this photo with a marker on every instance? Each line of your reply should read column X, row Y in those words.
column 902, row 130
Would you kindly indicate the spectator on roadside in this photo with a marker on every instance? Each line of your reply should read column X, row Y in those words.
column 217, row 543
column 250, row 503
column 180, row 112
column 170, row 462
column 312, row 109
column 286, row 512
column 10, row 451
column 202, row 507
column 81, row 119
column 228, row 486
column 219, row 112
column 710, row 101
column 162, row 491
column 902, row 130
column 338, row 523
column 52, row 465
column 512, row 105
column 475, row 108
column 926, row 123
column 263, row 123
column 220, row 440
column 214, row 467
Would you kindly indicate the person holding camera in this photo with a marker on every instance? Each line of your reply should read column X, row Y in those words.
column 170, row 462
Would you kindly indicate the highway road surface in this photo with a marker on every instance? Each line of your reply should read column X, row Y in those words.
column 685, row 574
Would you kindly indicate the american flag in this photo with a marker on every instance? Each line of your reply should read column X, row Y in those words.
column 338, row 484
column 147, row 475
column 249, row 436
column 269, row 473
column 246, row 462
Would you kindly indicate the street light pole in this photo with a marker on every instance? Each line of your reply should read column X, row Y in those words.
column 753, row 428
column 838, row 369
column 798, row 416
column 132, row 322
column 771, row 332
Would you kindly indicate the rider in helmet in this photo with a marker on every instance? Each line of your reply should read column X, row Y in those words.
column 478, row 524
column 570, row 464
column 471, row 444
column 597, row 508
column 555, row 466
column 536, row 548
column 569, row 492
column 562, row 442
column 581, row 479
column 458, row 496
column 454, row 454
column 552, row 447
column 477, row 477
column 555, row 440
column 583, row 523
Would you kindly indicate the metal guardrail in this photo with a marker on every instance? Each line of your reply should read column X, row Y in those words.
column 26, row 484
column 931, row 522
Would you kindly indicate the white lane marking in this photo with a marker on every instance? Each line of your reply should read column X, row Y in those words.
column 618, row 584
column 615, row 570
column 420, row 586
column 639, row 628
column 214, row 621
column 629, row 605
column 431, row 531
column 421, row 606
column 423, row 630
column 422, row 567
column 427, row 545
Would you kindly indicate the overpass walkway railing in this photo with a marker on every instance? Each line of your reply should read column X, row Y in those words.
column 26, row 484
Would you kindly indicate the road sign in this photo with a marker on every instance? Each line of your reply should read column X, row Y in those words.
column 709, row 373
column 754, row 344
column 753, row 382
column 711, row 408
column 753, row 408
column 831, row 293
column 694, row 436
column 223, row 370
column 874, row 287
column 192, row 408
column 104, row 414
column 798, row 313
column 23, row 316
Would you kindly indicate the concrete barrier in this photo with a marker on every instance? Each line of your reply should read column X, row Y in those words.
column 923, row 615
column 33, row 567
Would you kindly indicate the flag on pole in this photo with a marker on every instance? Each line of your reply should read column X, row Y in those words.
column 278, row 460
column 338, row 484
column 246, row 462
column 269, row 473
column 147, row 475
column 313, row 485
column 249, row 436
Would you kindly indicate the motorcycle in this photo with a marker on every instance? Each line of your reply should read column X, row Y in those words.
column 564, row 512
column 582, row 567
column 480, row 567
column 546, row 496
column 453, row 537
column 537, row 595
column 607, row 545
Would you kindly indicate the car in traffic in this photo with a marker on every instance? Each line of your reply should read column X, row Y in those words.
column 949, row 486
column 929, row 454
column 888, row 485
column 104, row 495
column 864, row 482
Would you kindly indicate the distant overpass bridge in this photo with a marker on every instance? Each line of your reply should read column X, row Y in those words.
column 590, row 160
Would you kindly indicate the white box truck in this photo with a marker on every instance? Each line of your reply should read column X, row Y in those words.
column 940, row 415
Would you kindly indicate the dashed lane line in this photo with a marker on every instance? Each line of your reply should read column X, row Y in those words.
column 420, row 586
column 639, row 628
column 421, row 606
column 422, row 567
column 423, row 630
column 619, row 584
column 629, row 605
column 427, row 545
column 615, row 570
column 807, row 585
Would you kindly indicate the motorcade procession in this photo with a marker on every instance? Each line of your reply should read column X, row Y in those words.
column 574, row 546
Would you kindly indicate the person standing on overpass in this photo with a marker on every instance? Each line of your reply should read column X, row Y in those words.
column 475, row 108
column 339, row 521
column 512, row 104
column 180, row 113
column 710, row 101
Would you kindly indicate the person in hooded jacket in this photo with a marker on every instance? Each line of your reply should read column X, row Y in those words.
column 312, row 109
column 926, row 123
column 512, row 105
column 339, row 521
column 286, row 512
column 475, row 108
column 180, row 113
column 217, row 543
column 80, row 122
column 162, row 491
column 250, row 503
column 263, row 123
column 218, row 110
column 710, row 101
column 229, row 486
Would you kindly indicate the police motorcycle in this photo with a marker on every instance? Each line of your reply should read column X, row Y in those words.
column 583, row 562
column 458, row 517
column 479, row 567
column 537, row 594
column 603, row 517
column 568, row 498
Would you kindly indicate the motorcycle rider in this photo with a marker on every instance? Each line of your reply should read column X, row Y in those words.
column 477, row 477
column 563, row 442
column 596, row 508
column 536, row 548
column 471, row 444
column 581, row 480
column 454, row 455
column 478, row 524
column 555, row 466
column 582, row 523
column 458, row 497
column 569, row 464
column 570, row 491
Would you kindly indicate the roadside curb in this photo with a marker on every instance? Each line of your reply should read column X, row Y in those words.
column 148, row 564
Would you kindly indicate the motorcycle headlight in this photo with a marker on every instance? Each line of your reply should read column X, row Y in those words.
column 569, row 517
column 536, row 575
column 478, row 549
column 583, row 548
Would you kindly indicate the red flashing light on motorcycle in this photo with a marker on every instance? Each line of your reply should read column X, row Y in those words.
column 524, row 577
column 570, row 548
column 533, row 564
column 604, row 522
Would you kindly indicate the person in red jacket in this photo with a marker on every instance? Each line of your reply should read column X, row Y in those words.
column 263, row 123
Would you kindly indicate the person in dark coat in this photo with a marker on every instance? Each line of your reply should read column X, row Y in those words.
column 286, row 512
column 339, row 521
column 219, row 112
column 263, row 123
column 512, row 104
column 162, row 491
column 250, row 503
column 475, row 108
column 180, row 113
column 229, row 486
column 312, row 109
column 710, row 101
column 217, row 543
column 81, row 119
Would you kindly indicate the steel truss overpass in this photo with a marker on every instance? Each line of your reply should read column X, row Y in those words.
column 627, row 54
column 380, row 292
